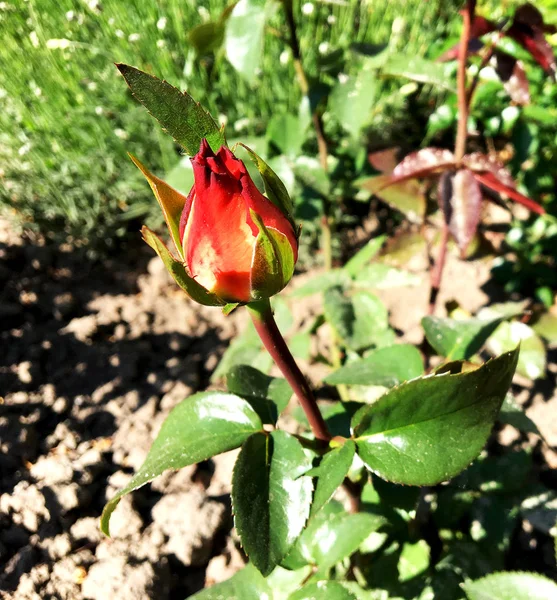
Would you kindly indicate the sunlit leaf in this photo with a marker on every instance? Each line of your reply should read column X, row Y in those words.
column 532, row 359
column 331, row 472
column 352, row 99
column 428, row 430
column 271, row 496
column 331, row 590
column 511, row 586
column 418, row 69
column 386, row 367
column 383, row 277
column 269, row 396
column 364, row 255
column 406, row 196
column 201, row 426
column 247, row 584
column 244, row 33
column 458, row 339
column 359, row 319
column 183, row 118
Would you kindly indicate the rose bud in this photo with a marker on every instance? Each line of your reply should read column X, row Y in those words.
column 235, row 245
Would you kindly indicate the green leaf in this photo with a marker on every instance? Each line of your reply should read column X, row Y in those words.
column 176, row 268
column 382, row 277
column 271, row 496
column 458, row 339
column 181, row 177
column 360, row 320
column 201, row 426
column 363, row 256
column 546, row 327
column 413, row 560
column 310, row 172
column 532, row 359
column 247, row 584
column 183, row 118
column 244, row 348
column 269, row 396
column 386, row 366
column 331, row 472
column 362, row 594
column 207, row 37
column 511, row 586
column 274, row 188
column 287, row 135
column 352, row 100
column 284, row 582
column 300, row 345
column 513, row 414
column 428, row 430
column 322, row 282
column 323, row 590
column 332, row 536
column 243, row 38
column 405, row 196
column 419, row 69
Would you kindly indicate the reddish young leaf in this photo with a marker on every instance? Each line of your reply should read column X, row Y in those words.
column 512, row 74
column 384, row 160
column 460, row 199
column 479, row 162
column 493, row 183
column 481, row 26
column 528, row 30
column 423, row 162
column 474, row 46
column 406, row 196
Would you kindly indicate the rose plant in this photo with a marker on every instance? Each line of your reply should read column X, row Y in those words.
column 235, row 244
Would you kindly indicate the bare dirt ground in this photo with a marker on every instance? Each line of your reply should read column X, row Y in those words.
column 92, row 359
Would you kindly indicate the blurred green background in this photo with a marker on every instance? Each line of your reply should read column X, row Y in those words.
column 67, row 119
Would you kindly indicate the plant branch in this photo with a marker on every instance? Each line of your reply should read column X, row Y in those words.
column 317, row 124
column 437, row 271
column 472, row 88
column 462, row 128
column 262, row 316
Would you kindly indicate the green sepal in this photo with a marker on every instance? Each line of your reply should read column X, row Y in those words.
column 171, row 201
column 176, row 268
column 274, row 188
column 273, row 261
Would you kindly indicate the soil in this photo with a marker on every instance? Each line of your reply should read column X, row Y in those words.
column 92, row 359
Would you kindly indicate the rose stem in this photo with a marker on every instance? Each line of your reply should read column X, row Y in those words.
column 262, row 316
column 326, row 222
column 462, row 128
column 437, row 270
column 460, row 141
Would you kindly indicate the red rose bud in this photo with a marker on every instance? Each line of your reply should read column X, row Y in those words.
column 236, row 243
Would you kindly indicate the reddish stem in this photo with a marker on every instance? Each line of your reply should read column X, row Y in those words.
column 461, row 132
column 437, row 271
column 265, row 325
